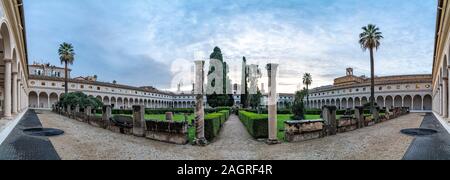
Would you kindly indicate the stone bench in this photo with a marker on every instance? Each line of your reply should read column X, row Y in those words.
column 347, row 123
column 167, row 131
column 298, row 131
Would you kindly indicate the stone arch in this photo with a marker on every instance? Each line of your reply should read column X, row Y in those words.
column 344, row 103
column 33, row 99
column 43, row 100
column 338, row 103
column 364, row 100
column 427, row 102
column 380, row 102
column 351, row 103
column 333, row 102
column 357, row 101
column 445, row 87
column 5, row 41
column 398, row 101
column 113, row 102
column 106, row 100
column 125, row 103
column 417, row 102
column 389, row 102
column 120, row 103
column 407, row 101
column 53, row 99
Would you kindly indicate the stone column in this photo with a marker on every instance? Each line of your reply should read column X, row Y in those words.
column 444, row 97
column 139, row 120
column 77, row 109
column 329, row 116
column 272, row 76
column 106, row 113
column 7, row 93
column 199, row 108
column 359, row 114
column 14, row 93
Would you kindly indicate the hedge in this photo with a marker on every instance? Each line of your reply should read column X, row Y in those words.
column 214, row 122
column 163, row 111
column 256, row 124
column 266, row 111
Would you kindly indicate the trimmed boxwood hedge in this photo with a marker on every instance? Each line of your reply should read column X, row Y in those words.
column 257, row 125
column 163, row 111
column 265, row 111
column 214, row 122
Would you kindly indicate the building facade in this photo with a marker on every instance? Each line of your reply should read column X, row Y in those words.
column 413, row 91
column 441, row 62
column 13, row 59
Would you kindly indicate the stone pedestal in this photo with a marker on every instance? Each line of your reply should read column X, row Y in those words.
column 329, row 116
column 199, row 108
column 169, row 116
column 88, row 111
column 359, row 115
column 139, row 121
column 376, row 115
column 14, row 93
column 69, row 109
column 272, row 76
column 106, row 114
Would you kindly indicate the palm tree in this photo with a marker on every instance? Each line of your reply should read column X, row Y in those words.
column 307, row 80
column 370, row 39
column 67, row 56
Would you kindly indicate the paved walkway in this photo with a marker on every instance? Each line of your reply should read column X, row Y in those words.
column 19, row 146
column 82, row 141
column 434, row 147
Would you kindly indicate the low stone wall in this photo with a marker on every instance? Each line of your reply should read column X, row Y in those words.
column 346, row 124
column 165, row 131
column 296, row 131
column 171, row 132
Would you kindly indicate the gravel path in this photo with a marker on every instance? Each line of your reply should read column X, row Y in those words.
column 82, row 141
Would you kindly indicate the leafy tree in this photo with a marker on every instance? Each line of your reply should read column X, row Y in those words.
column 79, row 99
column 370, row 39
column 67, row 56
column 298, row 108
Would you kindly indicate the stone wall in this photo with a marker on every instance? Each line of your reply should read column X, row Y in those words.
column 165, row 131
column 298, row 131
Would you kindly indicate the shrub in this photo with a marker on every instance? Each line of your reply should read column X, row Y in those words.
column 214, row 122
column 256, row 124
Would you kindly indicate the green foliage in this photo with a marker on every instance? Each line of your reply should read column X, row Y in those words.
column 214, row 122
column 298, row 107
column 217, row 54
column 370, row 37
column 218, row 100
column 255, row 100
column 79, row 99
column 256, row 124
column 66, row 53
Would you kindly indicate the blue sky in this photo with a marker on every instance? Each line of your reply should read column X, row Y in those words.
column 153, row 42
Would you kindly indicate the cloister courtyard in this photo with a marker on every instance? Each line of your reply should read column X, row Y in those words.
column 84, row 142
